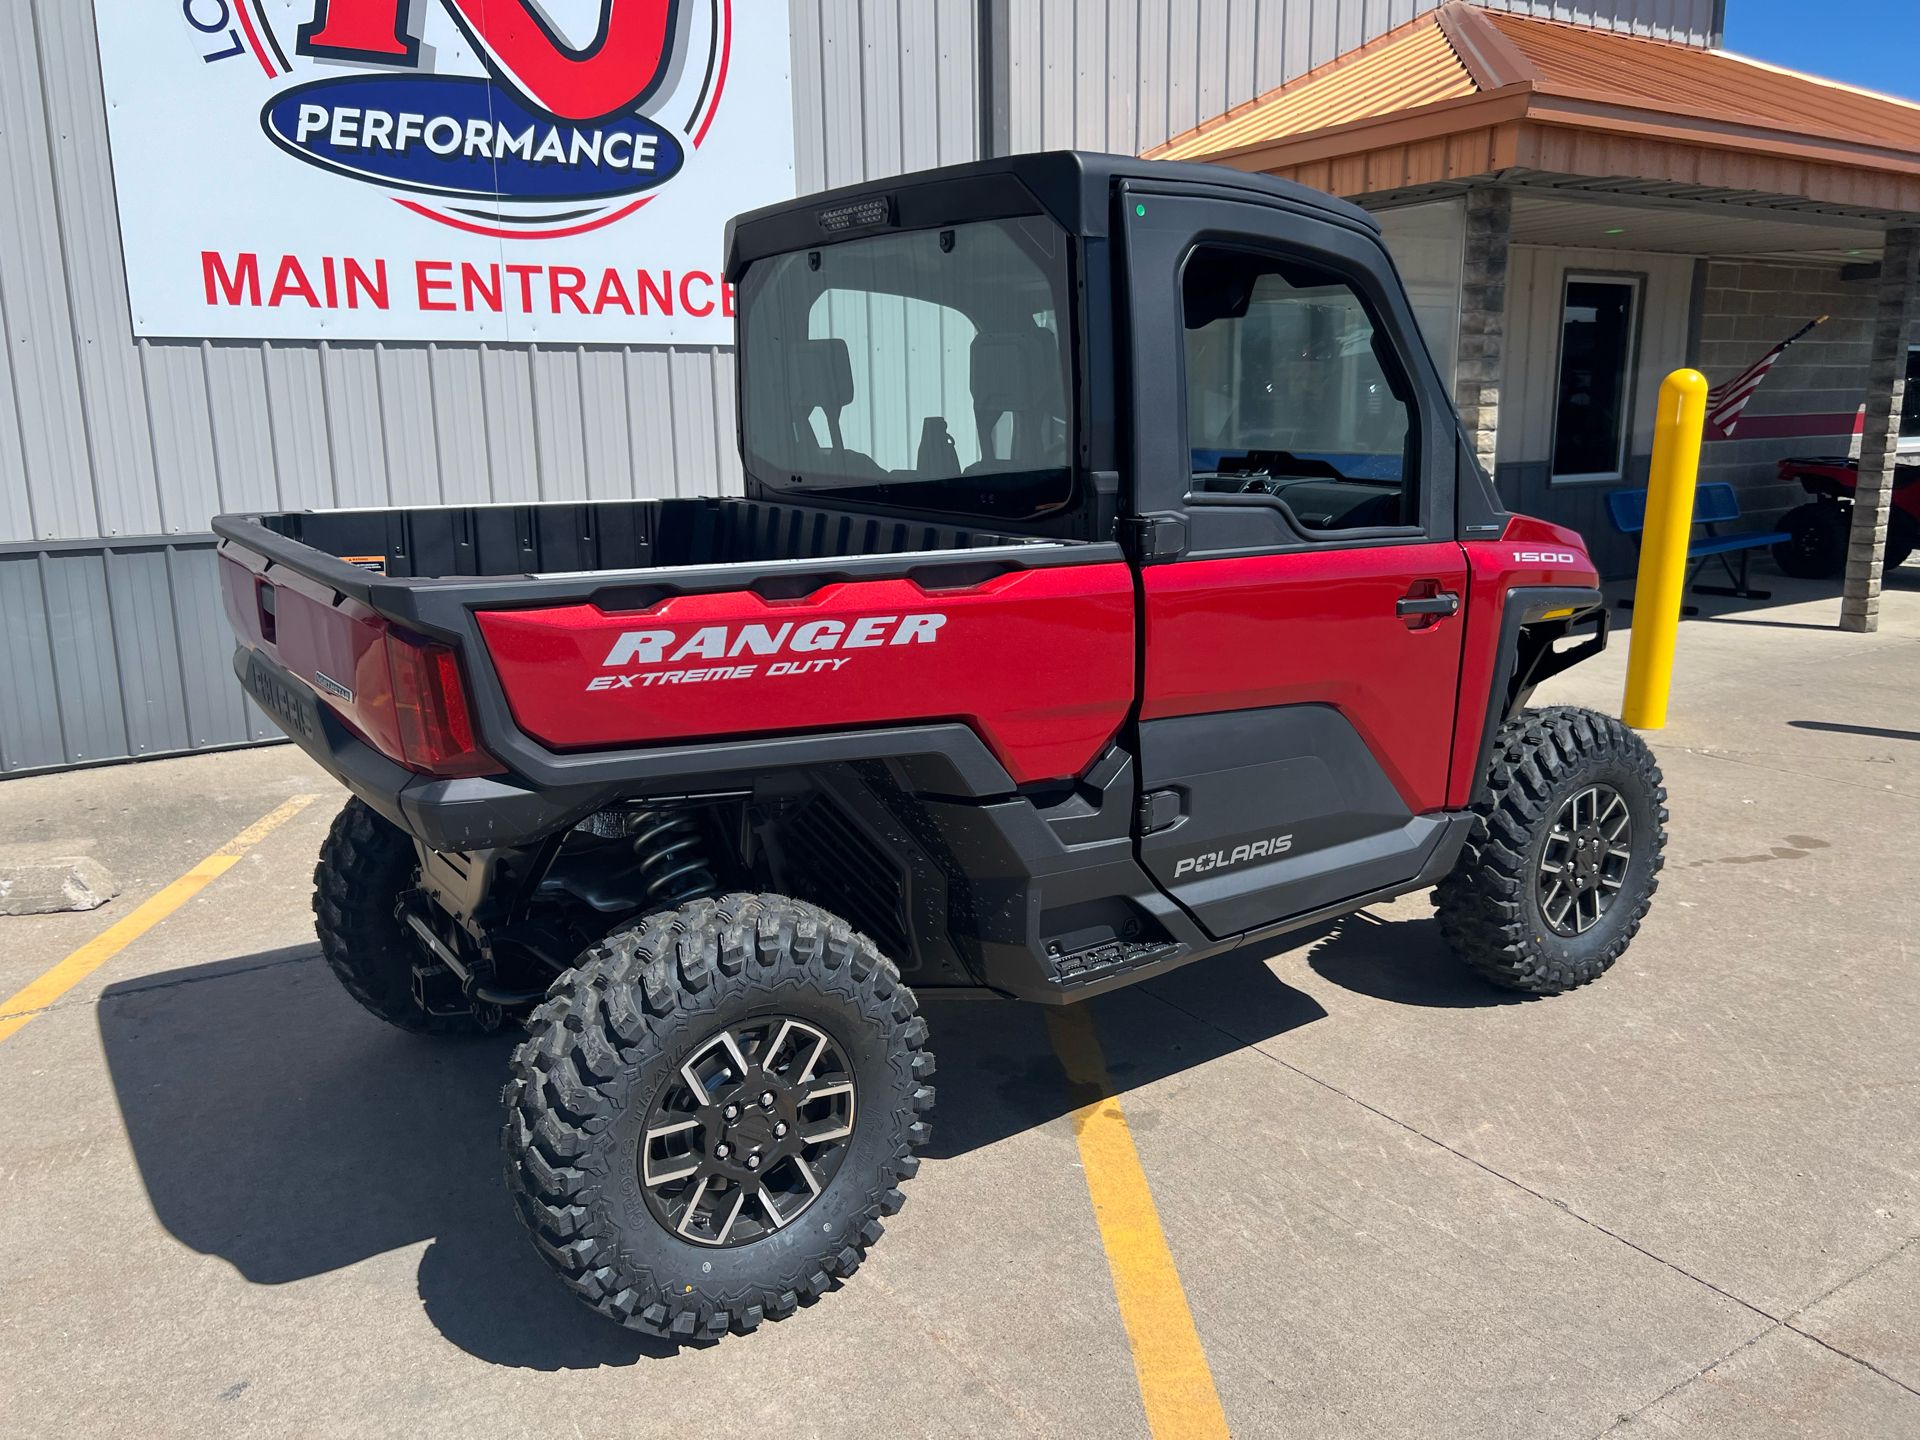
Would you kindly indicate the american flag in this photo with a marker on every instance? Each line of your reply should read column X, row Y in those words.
column 1725, row 403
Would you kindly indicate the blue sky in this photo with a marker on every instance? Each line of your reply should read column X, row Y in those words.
column 1875, row 43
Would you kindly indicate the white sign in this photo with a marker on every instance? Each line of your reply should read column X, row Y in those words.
column 512, row 170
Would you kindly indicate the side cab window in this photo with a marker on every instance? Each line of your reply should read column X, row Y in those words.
column 1295, row 393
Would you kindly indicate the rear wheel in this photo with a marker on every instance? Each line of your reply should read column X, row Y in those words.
column 366, row 864
column 713, row 1111
column 1564, row 855
column 1816, row 547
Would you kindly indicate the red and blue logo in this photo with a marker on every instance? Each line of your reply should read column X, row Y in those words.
column 480, row 114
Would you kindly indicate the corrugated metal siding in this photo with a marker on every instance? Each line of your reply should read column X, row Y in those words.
column 881, row 87
column 1689, row 21
column 45, row 379
column 1175, row 63
column 115, row 651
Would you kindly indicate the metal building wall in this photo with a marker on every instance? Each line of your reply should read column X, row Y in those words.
column 1176, row 63
column 115, row 453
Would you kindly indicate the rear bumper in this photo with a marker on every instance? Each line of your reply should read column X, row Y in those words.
column 473, row 813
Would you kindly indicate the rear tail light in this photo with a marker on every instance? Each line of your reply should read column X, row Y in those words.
column 268, row 608
column 430, row 709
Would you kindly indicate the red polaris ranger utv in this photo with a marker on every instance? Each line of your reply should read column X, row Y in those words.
column 1113, row 587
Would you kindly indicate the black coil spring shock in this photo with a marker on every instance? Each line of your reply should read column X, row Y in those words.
column 673, row 861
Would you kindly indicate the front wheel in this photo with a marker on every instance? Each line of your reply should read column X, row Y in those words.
column 1564, row 855
column 712, row 1112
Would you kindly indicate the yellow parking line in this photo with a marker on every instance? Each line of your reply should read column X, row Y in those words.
column 20, row 1007
column 1176, row 1385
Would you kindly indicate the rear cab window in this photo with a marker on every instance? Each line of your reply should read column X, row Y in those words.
column 926, row 369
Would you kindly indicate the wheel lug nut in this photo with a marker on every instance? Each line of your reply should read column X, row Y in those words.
column 753, row 1162
column 766, row 1099
column 732, row 1112
column 780, row 1131
column 722, row 1150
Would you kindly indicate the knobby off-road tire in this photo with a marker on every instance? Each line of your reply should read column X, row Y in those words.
column 1491, row 908
column 364, row 866
column 1817, row 547
column 607, row 1050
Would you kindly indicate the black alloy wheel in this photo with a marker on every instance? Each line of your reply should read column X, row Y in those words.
column 748, row 1132
column 1583, row 864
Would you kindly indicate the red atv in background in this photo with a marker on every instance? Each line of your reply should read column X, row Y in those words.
column 1819, row 529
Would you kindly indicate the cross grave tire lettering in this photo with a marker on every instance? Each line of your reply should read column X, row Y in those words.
column 623, row 1162
column 1564, row 855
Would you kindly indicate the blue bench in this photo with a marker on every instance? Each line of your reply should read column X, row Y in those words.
column 1714, row 505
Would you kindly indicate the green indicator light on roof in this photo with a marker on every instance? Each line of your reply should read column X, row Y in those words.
column 1139, row 209
column 1618, row 230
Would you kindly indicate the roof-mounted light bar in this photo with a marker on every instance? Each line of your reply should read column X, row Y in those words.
column 857, row 215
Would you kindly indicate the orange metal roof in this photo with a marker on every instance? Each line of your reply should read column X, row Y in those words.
column 1408, row 68
column 1463, row 91
column 1714, row 85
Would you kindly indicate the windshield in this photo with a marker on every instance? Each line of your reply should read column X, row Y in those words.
column 924, row 368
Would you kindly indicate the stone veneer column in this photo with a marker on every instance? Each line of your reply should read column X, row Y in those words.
column 1893, row 322
column 1483, row 318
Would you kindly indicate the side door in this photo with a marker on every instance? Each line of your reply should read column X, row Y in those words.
column 1302, row 588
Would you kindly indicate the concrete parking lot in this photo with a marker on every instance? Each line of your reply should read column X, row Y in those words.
column 1683, row 1201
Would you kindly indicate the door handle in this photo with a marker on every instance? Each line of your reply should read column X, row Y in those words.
column 1445, row 603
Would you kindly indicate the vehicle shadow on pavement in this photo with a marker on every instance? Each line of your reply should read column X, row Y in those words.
column 279, row 1127
column 1404, row 961
column 999, row 1075
column 282, row 1129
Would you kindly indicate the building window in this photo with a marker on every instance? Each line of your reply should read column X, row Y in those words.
column 1910, row 412
column 1599, row 324
column 1293, row 392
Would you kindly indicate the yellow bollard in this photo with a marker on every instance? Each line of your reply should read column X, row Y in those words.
column 1658, row 591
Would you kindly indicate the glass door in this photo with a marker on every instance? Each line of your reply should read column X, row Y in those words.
column 1599, row 335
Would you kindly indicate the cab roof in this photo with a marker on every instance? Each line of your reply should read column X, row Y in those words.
column 1074, row 187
